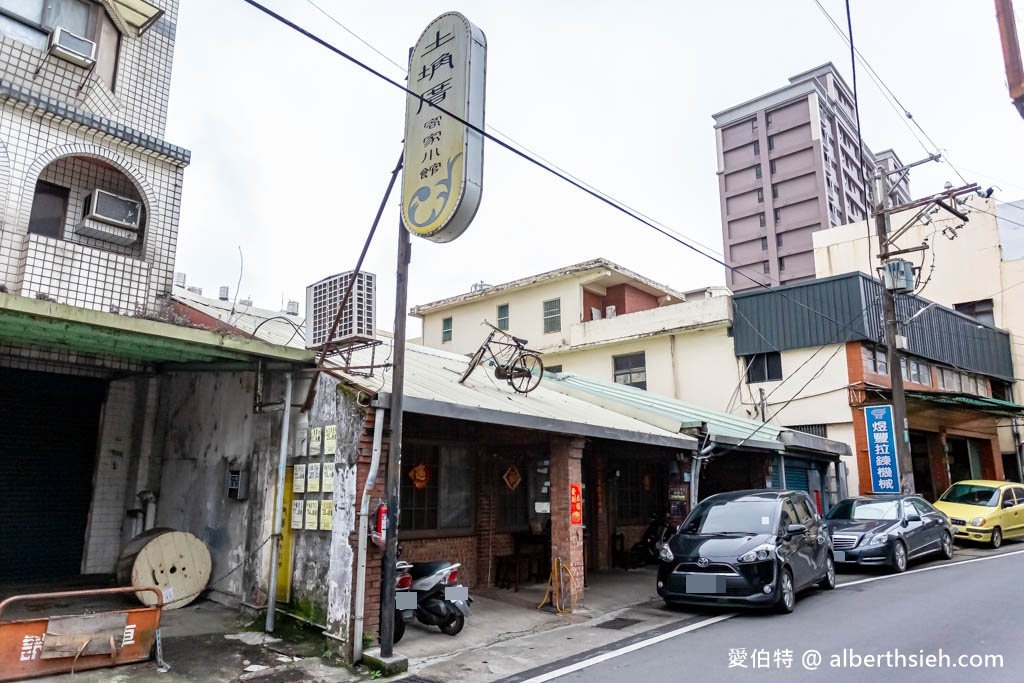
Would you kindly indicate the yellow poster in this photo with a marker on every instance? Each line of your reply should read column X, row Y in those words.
column 297, row 514
column 326, row 515
column 299, row 479
column 327, row 485
column 313, row 477
column 314, row 440
column 283, row 590
column 312, row 513
column 330, row 439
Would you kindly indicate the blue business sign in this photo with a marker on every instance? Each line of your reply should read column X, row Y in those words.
column 885, row 470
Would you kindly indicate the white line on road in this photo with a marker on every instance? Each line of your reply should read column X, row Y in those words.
column 558, row 673
column 928, row 569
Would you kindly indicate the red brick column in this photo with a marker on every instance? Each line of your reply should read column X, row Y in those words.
column 566, row 538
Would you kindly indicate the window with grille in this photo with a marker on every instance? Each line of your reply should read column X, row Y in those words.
column 437, row 487
column 764, row 367
column 631, row 370
column 552, row 316
column 446, row 330
column 503, row 317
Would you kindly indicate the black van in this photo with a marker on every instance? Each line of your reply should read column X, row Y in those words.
column 747, row 548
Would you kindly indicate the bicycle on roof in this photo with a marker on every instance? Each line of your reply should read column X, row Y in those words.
column 512, row 361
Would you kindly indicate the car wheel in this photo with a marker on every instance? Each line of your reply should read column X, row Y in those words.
column 899, row 557
column 947, row 545
column 828, row 582
column 997, row 537
column 787, row 592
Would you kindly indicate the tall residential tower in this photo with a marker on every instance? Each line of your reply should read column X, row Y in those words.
column 787, row 167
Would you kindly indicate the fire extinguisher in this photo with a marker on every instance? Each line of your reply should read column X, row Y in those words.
column 380, row 527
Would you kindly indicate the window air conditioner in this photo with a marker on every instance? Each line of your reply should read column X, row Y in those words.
column 109, row 208
column 72, row 48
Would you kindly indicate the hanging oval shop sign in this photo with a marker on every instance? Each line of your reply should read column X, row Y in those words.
column 444, row 159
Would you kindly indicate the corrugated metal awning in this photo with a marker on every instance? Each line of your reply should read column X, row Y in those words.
column 994, row 406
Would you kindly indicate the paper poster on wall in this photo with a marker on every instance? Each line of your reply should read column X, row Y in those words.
column 327, row 478
column 299, row 479
column 312, row 514
column 301, row 442
column 330, row 439
column 326, row 515
column 297, row 508
column 313, row 477
column 314, row 440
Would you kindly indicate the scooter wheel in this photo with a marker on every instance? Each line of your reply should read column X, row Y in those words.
column 399, row 628
column 453, row 627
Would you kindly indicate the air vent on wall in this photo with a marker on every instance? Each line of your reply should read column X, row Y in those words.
column 72, row 48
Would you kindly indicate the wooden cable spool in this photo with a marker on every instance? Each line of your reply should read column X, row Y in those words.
column 176, row 562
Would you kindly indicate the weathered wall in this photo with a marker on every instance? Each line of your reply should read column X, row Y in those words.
column 208, row 428
column 322, row 560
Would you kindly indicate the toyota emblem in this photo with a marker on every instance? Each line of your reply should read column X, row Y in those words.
column 703, row 562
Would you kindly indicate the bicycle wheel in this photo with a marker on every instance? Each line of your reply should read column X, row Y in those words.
column 473, row 362
column 526, row 373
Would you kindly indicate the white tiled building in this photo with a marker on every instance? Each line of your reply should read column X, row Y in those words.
column 67, row 131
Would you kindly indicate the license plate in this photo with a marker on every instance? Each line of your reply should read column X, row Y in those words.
column 839, row 555
column 705, row 584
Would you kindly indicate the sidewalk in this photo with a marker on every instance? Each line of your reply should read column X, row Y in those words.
column 507, row 633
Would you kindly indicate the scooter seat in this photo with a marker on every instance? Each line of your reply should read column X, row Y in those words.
column 421, row 569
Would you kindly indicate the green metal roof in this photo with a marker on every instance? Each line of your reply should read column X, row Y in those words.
column 668, row 413
column 46, row 324
column 989, row 405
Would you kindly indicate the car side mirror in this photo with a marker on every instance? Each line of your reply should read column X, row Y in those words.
column 912, row 517
column 795, row 529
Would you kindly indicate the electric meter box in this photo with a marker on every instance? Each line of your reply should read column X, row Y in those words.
column 898, row 276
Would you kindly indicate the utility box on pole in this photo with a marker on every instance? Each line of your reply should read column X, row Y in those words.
column 898, row 276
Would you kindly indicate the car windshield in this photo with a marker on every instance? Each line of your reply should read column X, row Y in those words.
column 971, row 494
column 732, row 516
column 866, row 509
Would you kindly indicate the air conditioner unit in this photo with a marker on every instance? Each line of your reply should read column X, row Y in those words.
column 72, row 48
column 358, row 320
column 109, row 208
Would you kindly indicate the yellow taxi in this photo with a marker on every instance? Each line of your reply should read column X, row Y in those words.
column 983, row 510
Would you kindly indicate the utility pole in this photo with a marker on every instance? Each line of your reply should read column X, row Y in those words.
column 1011, row 53
column 899, row 397
column 394, row 480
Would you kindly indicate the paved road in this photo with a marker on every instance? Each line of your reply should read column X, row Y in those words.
column 971, row 607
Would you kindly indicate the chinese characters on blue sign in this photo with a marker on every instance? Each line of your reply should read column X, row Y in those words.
column 885, row 471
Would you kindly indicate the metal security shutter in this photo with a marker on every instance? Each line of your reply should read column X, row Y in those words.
column 49, row 425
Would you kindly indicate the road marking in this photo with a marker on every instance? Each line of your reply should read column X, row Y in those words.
column 953, row 563
column 586, row 663
column 558, row 673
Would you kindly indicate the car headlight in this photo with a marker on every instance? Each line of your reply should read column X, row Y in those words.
column 759, row 554
column 664, row 554
column 880, row 539
column 978, row 521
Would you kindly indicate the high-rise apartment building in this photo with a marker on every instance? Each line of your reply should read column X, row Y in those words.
column 790, row 164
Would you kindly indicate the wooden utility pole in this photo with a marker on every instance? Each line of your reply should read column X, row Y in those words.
column 1011, row 53
column 899, row 397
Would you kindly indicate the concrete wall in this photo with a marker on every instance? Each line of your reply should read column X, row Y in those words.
column 968, row 268
column 207, row 428
column 526, row 317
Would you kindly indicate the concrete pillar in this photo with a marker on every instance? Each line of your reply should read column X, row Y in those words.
column 566, row 537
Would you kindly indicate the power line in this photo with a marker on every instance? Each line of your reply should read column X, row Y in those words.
column 501, row 143
column 512, row 140
column 887, row 93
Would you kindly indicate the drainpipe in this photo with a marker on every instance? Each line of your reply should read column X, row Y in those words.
column 149, row 498
column 364, row 509
column 695, row 467
column 282, row 461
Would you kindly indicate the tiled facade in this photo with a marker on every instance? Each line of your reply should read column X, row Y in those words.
column 63, row 125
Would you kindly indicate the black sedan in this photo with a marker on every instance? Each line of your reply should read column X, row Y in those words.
column 748, row 548
column 887, row 531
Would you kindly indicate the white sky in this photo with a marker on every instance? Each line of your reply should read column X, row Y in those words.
column 292, row 146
